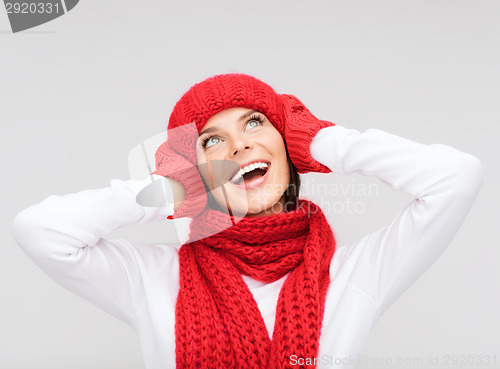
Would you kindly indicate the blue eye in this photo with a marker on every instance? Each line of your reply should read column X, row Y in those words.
column 257, row 123
column 206, row 142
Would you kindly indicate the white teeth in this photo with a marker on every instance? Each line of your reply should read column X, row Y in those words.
column 247, row 169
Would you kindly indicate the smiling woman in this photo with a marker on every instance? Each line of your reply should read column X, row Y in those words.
column 257, row 284
column 242, row 120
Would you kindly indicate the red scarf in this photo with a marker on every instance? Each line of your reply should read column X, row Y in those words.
column 218, row 323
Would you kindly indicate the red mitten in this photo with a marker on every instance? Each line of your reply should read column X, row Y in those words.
column 300, row 128
column 173, row 165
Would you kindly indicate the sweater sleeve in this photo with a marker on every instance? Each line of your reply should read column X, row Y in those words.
column 64, row 236
column 443, row 183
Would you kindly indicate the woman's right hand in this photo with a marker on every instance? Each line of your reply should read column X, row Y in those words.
column 190, row 195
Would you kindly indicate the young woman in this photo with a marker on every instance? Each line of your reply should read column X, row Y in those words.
column 260, row 281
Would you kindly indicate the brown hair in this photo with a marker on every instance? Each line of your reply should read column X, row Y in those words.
column 292, row 192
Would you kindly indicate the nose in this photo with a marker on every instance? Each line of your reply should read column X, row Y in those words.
column 240, row 144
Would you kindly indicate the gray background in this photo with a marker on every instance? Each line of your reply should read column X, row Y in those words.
column 79, row 92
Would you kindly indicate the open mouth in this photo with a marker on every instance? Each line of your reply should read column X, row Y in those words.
column 252, row 174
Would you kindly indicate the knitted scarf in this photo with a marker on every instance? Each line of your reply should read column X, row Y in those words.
column 218, row 323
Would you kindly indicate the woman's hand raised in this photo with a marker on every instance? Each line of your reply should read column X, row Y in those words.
column 190, row 195
column 300, row 128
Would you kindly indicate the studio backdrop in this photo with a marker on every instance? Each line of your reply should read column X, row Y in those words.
column 81, row 91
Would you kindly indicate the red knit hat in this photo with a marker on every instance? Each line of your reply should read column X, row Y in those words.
column 217, row 93
column 221, row 92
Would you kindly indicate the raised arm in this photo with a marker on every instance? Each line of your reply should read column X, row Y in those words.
column 64, row 235
column 444, row 183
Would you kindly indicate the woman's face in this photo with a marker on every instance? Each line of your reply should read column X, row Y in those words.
column 244, row 136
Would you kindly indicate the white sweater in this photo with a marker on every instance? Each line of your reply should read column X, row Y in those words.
column 138, row 283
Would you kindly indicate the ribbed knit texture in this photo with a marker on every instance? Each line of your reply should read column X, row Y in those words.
column 221, row 92
column 218, row 323
column 300, row 128
column 170, row 163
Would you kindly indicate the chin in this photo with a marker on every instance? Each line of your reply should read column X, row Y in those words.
column 250, row 204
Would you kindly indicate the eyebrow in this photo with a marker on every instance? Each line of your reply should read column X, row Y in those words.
column 215, row 129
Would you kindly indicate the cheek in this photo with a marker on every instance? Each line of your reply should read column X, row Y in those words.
column 277, row 148
column 271, row 139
